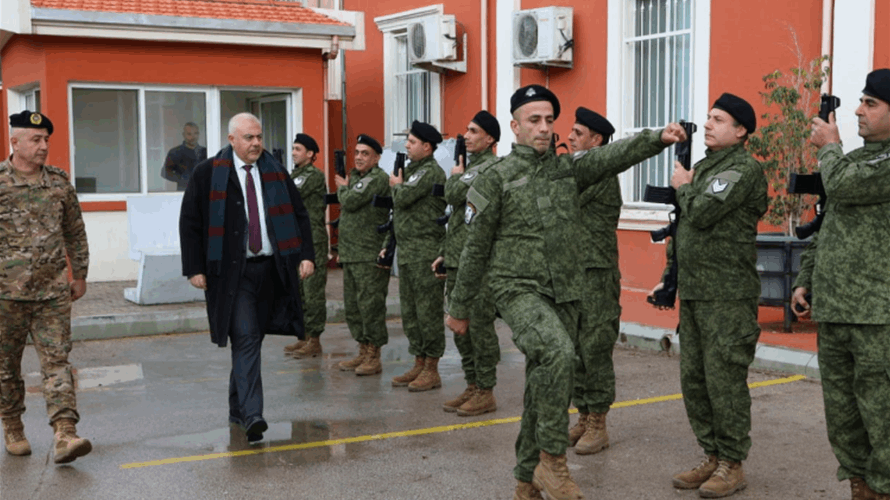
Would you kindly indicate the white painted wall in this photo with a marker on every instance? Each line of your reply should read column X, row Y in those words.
column 507, row 75
column 853, row 58
column 109, row 247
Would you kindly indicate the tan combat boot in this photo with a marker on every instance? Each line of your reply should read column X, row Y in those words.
column 409, row 376
column 696, row 477
column 595, row 438
column 452, row 405
column 859, row 489
column 481, row 402
column 552, row 477
column 726, row 480
column 67, row 445
column 371, row 365
column 296, row 346
column 351, row 364
column 14, row 434
column 310, row 350
column 578, row 429
column 526, row 491
column 429, row 377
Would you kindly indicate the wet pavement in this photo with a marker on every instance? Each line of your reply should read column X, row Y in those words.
column 155, row 409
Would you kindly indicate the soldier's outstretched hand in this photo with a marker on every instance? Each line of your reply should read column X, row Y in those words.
column 673, row 133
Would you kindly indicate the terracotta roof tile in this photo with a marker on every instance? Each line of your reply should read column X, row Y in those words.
column 252, row 10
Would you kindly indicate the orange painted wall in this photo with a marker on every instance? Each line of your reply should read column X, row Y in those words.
column 462, row 92
column 138, row 62
column 882, row 34
column 26, row 56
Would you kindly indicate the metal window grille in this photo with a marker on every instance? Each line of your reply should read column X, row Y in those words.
column 413, row 95
column 658, row 45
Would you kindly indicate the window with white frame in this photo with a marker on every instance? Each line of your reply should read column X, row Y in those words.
column 409, row 93
column 658, row 84
column 139, row 139
column 32, row 99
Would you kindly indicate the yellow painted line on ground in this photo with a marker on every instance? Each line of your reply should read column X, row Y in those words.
column 413, row 432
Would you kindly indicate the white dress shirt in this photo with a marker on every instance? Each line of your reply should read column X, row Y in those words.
column 261, row 206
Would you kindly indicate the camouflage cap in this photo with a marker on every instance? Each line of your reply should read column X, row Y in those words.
column 877, row 84
column 31, row 119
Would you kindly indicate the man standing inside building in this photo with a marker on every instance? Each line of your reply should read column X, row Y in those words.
column 721, row 200
column 422, row 295
column 246, row 240
column 601, row 203
column 311, row 184
column 846, row 267
column 41, row 226
column 478, row 348
column 181, row 160
column 364, row 283
column 522, row 213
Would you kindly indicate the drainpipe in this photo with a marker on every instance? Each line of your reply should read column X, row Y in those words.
column 483, row 39
column 827, row 39
column 326, row 57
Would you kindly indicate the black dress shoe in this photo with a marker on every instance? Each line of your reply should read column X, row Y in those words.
column 255, row 429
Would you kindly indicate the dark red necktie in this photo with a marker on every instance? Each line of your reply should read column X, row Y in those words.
column 254, row 239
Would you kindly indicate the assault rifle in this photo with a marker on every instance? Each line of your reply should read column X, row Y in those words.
column 667, row 296
column 460, row 151
column 386, row 202
column 331, row 198
column 812, row 183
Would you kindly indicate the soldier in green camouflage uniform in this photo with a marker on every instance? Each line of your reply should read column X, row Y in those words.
column 522, row 213
column 311, row 184
column 721, row 200
column 601, row 203
column 847, row 268
column 40, row 225
column 422, row 295
column 479, row 349
column 364, row 283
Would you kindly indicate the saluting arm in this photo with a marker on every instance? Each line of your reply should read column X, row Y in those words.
column 853, row 183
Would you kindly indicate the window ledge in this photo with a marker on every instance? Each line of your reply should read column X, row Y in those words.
column 643, row 217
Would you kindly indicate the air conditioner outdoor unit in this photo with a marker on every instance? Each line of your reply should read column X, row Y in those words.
column 432, row 39
column 543, row 37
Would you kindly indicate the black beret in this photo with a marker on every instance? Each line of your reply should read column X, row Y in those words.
column 739, row 109
column 595, row 122
column 369, row 141
column 31, row 119
column 426, row 133
column 489, row 124
column 877, row 84
column 533, row 93
column 307, row 141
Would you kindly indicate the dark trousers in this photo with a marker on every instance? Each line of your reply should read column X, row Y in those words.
column 253, row 310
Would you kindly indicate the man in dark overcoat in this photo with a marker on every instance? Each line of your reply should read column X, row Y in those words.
column 246, row 241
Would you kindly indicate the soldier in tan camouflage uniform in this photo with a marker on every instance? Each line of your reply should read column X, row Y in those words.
column 40, row 225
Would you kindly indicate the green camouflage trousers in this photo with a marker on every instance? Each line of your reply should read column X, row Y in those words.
column 545, row 332
column 315, row 305
column 479, row 349
column 717, row 343
column 854, row 361
column 600, row 320
column 364, row 295
column 422, row 298
column 49, row 324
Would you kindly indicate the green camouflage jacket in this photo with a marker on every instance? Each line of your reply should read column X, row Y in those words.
column 523, row 213
column 847, row 266
column 415, row 211
column 600, row 211
column 717, row 230
column 311, row 184
column 359, row 240
column 40, row 225
column 456, row 189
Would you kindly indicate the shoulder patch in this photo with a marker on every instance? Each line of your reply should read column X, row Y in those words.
column 299, row 181
column 878, row 159
column 476, row 204
column 362, row 184
column 415, row 177
column 56, row 170
column 719, row 185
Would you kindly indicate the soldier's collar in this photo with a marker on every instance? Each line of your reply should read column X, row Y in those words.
column 877, row 146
